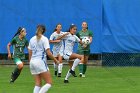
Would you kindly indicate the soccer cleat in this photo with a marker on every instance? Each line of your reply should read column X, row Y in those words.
column 12, row 78
column 55, row 73
column 59, row 74
column 11, row 81
column 80, row 75
column 73, row 73
column 66, row 81
column 83, row 75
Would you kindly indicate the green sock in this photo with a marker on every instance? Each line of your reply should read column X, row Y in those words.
column 15, row 74
column 81, row 68
column 84, row 68
column 16, row 70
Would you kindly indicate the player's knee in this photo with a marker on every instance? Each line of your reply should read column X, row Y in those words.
column 20, row 66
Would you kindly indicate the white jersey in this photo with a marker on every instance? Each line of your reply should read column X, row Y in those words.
column 69, row 43
column 39, row 47
column 57, row 47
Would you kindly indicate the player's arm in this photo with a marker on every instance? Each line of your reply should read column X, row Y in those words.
column 52, row 40
column 8, row 49
column 13, row 41
column 49, row 53
column 80, row 41
column 90, row 39
column 61, row 37
column 30, row 54
column 90, row 36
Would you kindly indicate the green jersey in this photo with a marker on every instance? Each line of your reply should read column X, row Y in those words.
column 81, row 34
column 18, row 47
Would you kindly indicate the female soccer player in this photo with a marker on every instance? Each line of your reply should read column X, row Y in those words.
column 19, row 43
column 38, row 48
column 70, row 39
column 58, row 48
column 84, row 50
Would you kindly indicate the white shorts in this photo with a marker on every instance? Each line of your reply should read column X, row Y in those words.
column 56, row 53
column 38, row 66
column 67, row 56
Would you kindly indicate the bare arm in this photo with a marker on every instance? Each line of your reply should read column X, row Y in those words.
column 30, row 54
column 59, row 38
column 84, row 45
column 54, row 41
column 49, row 53
column 90, row 39
column 8, row 49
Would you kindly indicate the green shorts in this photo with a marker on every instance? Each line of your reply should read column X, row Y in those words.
column 17, row 60
column 84, row 52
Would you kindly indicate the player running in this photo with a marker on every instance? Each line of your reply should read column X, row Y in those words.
column 19, row 43
column 38, row 48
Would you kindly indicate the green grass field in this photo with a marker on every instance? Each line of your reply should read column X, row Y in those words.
column 97, row 80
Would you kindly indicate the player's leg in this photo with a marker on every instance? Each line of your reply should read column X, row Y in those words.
column 68, row 73
column 47, row 78
column 85, row 65
column 81, row 52
column 17, row 70
column 60, row 65
column 37, row 83
column 55, row 67
column 55, row 54
column 78, row 58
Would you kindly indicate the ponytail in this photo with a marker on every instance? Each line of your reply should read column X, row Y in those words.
column 40, row 28
column 18, row 31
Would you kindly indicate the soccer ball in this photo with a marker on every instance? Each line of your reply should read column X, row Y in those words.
column 86, row 40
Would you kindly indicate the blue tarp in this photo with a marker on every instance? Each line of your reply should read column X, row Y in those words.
column 29, row 13
column 121, row 31
column 115, row 23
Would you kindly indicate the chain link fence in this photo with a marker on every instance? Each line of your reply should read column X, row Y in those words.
column 120, row 59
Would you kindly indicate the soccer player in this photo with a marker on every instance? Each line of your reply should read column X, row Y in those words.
column 70, row 40
column 19, row 42
column 38, row 48
column 84, row 50
column 58, row 48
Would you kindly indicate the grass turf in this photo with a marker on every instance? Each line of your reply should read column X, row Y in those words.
column 97, row 80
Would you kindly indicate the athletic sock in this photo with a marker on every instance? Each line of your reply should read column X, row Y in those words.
column 81, row 67
column 60, row 66
column 45, row 88
column 36, row 89
column 84, row 68
column 55, row 66
column 75, row 63
column 15, row 74
column 68, row 75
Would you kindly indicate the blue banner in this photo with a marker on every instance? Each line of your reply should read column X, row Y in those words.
column 121, row 32
column 30, row 13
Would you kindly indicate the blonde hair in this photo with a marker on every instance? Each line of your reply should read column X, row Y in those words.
column 40, row 31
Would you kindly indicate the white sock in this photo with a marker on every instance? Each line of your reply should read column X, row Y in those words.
column 68, row 75
column 75, row 63
column 55, row 66
column 60, row 66
column 45, row 88
column 36, row 89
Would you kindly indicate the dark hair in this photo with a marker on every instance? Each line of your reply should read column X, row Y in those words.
column 71, row 26
column 41, row 28
column 18, row 31
column 56, row 27
column 86, row 23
